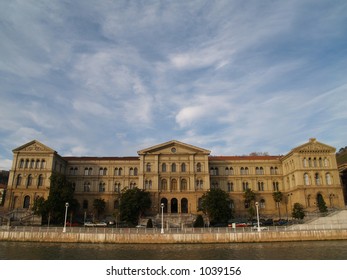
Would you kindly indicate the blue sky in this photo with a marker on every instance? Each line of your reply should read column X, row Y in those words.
column 108, row 78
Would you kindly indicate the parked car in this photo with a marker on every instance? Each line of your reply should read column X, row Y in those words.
column 89, row 224
column 280, row 222
column 73, row 224
column 255, row 228
column 101, row 224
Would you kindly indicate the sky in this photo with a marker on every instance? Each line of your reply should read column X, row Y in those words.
column 109, row 78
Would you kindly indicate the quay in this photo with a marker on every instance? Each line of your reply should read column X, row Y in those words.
column 172, row 236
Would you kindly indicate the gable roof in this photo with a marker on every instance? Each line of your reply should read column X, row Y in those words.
column 34, row 145
column 164, row 148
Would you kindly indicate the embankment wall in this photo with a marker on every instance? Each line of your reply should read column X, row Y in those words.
column 133, row 238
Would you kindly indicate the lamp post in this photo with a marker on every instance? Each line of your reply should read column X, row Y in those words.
column 257, row 207
column 162, row 218
column 66, row 206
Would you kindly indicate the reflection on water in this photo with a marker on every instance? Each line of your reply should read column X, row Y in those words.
column 310, row 250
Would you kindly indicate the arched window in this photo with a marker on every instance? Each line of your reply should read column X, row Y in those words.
column 90, row 171
column 43, row 164
column 304, row 162
column 21, row 163
column 231, row 171
column 131, row 171
column 117, row 187
column 317, row 179
column 32, row 163
column 86, row 171
column 275, row 186
column 163, row 167
column 174, row 185
column 260, row 186
column 183, row 167
column 102, row 187
column 262, row 204
column 29, row 180
column 183, row 184
column 230, row 187
column 184, row 205
column 198, row 167
column 148, row 184
column 163, row 185
column 199, row 184
column 40, row 181
column 245, row 186
column 27, row 163
column 37, row 166
column 86, row 187
column 306, row 179
column 132, row 185
column 135, row 171
column 173, row 167
column 328, row 179
column 26, row 203
column 19, row 180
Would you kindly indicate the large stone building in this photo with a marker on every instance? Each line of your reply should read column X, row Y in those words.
column 178, row 174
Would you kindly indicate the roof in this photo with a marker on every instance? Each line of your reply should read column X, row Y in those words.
column 90, row 158
column 246, row 158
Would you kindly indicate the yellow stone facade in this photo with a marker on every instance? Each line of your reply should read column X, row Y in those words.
column 178, row 174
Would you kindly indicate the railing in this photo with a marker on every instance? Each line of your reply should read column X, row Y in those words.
column 114, row 230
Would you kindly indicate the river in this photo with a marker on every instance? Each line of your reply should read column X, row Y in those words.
column 306, row 250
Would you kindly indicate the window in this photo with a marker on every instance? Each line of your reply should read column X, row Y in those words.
column 135, row 171
column 148, row 184
column 163, row 185
column 148, row 167
column 198, row 167
column 262, row 204
column 131, row 171
column 275, row 186
column 259, row 171
column 304, row 162
column 37, row 166
column 199, row 184
column 317, row 179
column 306, row 179
column 117, row 187
column 32, row 163
column 328, row 179
column 19, row 180
column 260, row 186
column 26, row 203
column 86, row 187
column 132, row 185
column 183, row 167
column 173, row 167
column 244, row 170
column 29, row 180
column 163, row 167
column 40, row 181
column 21, row 164
column 214, row 171
column 214, row 185
column 273, row 170
column 86, row 171
column 101, row 187
column 245, row 186
column 118, row 171
column 230, row 187
column 27, row 163
column 43, row 164
column 174, row 185
column 183, row 184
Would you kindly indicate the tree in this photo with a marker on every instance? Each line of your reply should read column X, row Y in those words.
column 60, row 192
column 321, row 204
column 199, row 222
column 249, row 196
column 133, row 204
column 216, row 204
column 278, row 197
column 99, row 205
column 298, row 211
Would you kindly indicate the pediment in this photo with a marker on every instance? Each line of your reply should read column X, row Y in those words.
column 34, row 146
column 174, row 147
column 313, row 146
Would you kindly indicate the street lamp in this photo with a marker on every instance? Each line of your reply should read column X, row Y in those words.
column 162, row 218
column 66, row 206
column 257, row 206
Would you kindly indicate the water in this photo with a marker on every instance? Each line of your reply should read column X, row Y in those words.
column 306, row 250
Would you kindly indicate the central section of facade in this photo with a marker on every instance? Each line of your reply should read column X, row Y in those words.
column 176, row 174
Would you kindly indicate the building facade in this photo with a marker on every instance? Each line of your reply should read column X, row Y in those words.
column 178, row 174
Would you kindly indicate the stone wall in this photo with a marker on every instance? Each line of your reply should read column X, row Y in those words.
column 132, row 238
